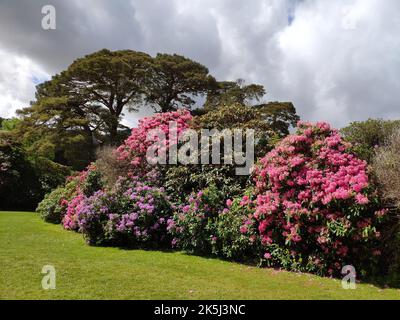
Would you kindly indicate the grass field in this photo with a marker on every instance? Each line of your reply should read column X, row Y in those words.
column 84, row 272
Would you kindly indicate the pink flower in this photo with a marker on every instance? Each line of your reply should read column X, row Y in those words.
column 267, row 255
column 243, row 229
column 361, row 199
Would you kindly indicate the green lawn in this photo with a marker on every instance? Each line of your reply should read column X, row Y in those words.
column 84, row 272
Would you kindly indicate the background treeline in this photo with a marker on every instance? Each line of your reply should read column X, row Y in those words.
column 78, row 112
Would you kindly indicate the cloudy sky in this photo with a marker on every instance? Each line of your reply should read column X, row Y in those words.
column 336, row 60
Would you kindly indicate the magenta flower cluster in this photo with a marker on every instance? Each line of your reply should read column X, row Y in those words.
column 312, row 197
column 135, row 147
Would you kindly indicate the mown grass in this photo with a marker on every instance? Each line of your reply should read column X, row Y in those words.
column 84, row 272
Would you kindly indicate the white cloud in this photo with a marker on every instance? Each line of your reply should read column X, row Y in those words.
column 17, row 82
column 340, row 60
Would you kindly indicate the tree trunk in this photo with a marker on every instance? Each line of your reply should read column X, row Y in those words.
column 113, row 131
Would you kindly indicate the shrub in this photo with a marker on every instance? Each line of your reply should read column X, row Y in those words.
column 236, row 230
column 87, row 183
column 20, row 188
column 386, row 166
column 315, row 208
column 70, row 220
column 366, row 136
column 110, row 166
column 54, row 206
column 193, row 228
column 134, row 148
column 59, row 205
column 182, row 180
column 90, row 181
column 133, row 214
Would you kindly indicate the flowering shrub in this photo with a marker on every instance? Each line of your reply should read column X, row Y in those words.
column 70, row 221
column 135, row 147
column 88, row 182
column 237, row 233
column 314, row 204
column 193, row 225
column 59, row 205
column 181, row 181
column 54, row 205
column 133, row 213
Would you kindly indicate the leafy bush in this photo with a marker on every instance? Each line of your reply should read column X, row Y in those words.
column 87, row 183
column 193, row 226
column 54, row 206
column 90, row 181
column 386, row 167
column 181, row 181
column 110, row 167
column 315, row 208
column 59, row 205
column 20, row 188
column 367, row 136
column 133, row 214
column 236, row 230
column 50, row 174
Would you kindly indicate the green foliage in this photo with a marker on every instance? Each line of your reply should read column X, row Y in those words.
column 270, row 121
column 25, row 178
column 181, row 181
column 194, row 228
column 50, row 174
column 233, row 92
column 53, row 132
column 54, row 205
column 175, row 81
column 386, row 168
column 280, row 116
column 368, row 135
column 92, row 182
column 8, row 124
column 233, row 244
column 19, row 183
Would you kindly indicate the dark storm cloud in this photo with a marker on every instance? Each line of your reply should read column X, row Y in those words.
column 82, row 27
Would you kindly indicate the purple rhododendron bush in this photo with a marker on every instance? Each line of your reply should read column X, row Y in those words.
column 311, row 207
column 134, row 213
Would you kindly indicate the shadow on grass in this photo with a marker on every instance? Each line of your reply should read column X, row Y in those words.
column 379, row 282
column 382, row 282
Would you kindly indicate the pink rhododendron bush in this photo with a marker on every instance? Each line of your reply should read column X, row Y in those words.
column 314, row 205
column 144, row 136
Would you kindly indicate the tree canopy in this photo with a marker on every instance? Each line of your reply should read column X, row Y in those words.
column 231, row 92
column 176, row 81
